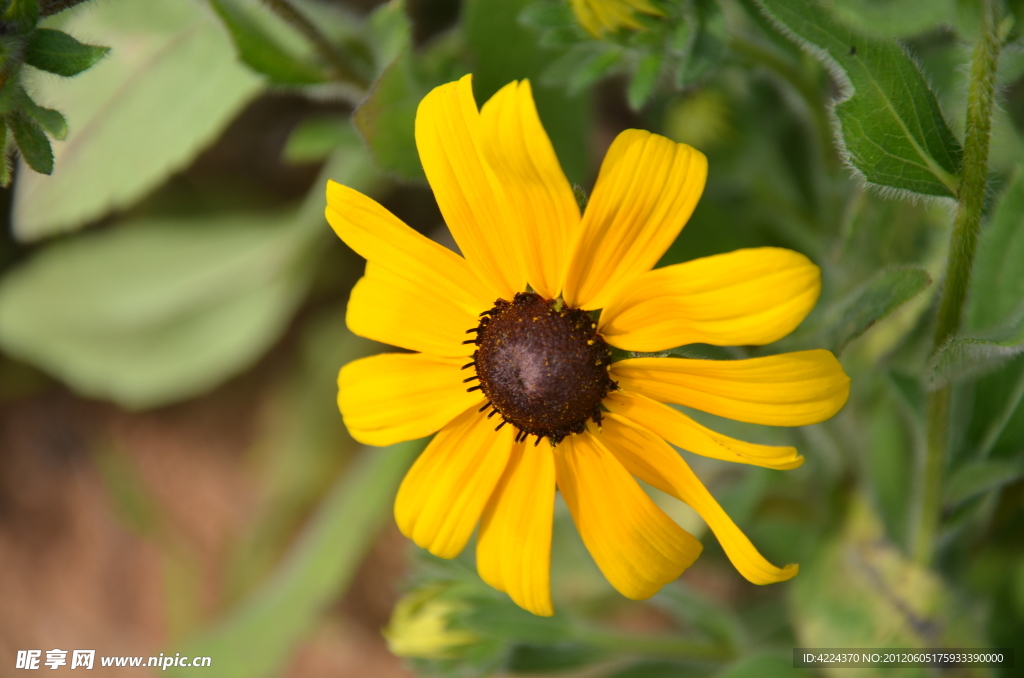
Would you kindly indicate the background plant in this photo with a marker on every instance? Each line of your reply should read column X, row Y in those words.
column 178, row 237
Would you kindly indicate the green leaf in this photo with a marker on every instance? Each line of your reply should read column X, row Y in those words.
column 978, row 477
column 997, row 287
column 260, row 51
column 58, row 52
column 52, row 122
column 387, row 117
column 971, row 356
column 892, row 129
column 644, row 81
column 169, row 86
column 24, row 14
column 883, row 294
column 155, row 311
column 32, row 142
column 257, row 637
column 316, row 138
column 501, row 50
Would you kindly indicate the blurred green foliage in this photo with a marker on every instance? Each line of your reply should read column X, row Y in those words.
column 824, row 134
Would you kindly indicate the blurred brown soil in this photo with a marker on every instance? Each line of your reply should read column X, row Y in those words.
column 80, row 571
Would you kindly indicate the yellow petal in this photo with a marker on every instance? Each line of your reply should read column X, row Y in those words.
column 518, row 150
column 469, row 195
column 753, row 296
column 638, row 548
column 378, row 235
column 444, row 493
column 684, row 432
column 391, row 309
column 651, row 460
column 645, row 193
column 513, row 548
column 791, row 389
column 391, row 397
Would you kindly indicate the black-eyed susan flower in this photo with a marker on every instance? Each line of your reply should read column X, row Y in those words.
column 600, row 17
column 511, row 364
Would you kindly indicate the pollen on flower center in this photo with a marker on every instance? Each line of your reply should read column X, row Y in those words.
column 543, row 368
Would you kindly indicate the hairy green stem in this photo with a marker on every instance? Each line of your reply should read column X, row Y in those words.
column 339, row 63
column 964, row 241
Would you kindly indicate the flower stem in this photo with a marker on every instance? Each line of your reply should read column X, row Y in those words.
column 339, row 63
column 964, row 240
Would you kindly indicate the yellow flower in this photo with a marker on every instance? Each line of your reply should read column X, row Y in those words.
column 600, row 17
column 539, row 362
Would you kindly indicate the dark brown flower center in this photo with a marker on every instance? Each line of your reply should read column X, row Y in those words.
column 543, row 367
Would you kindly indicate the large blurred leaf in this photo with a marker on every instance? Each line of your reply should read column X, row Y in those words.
column 258, row 636
column 861, row 591
column 501, row 50
column 169, row 85
column 970, row 356
column 997, row 287
column 892, row 129
column 154, row 311
column 159, row 310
